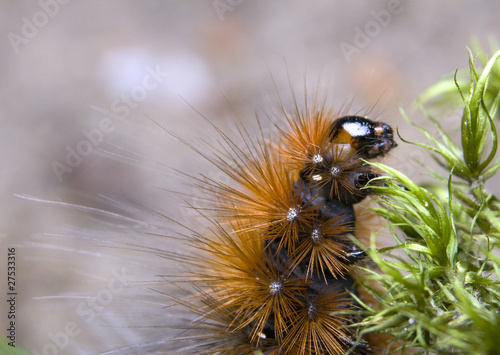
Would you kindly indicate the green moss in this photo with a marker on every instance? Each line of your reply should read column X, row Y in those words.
column 441, row 295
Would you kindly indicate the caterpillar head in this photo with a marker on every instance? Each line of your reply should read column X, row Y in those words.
column 370, row 139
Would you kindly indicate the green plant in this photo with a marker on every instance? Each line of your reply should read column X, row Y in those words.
column 437, row 288
column 5, row 348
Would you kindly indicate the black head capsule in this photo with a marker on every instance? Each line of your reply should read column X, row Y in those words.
column 370, row 139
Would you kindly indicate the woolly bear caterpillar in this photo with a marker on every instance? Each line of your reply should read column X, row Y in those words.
column 270, row 273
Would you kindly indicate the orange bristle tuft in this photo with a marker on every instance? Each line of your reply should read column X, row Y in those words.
column 325, row 248
column 318, row 328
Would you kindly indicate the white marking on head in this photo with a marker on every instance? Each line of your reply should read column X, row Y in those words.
column 356, row 129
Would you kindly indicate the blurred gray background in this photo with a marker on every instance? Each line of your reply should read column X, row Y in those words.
column 90, row 89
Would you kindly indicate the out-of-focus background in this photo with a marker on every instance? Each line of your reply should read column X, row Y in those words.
column 90, row 90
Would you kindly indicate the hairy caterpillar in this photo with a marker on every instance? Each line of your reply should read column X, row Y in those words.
column 273, row 274
column 271, row 270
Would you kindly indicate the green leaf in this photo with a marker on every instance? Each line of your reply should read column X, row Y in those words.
column 474, row 120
